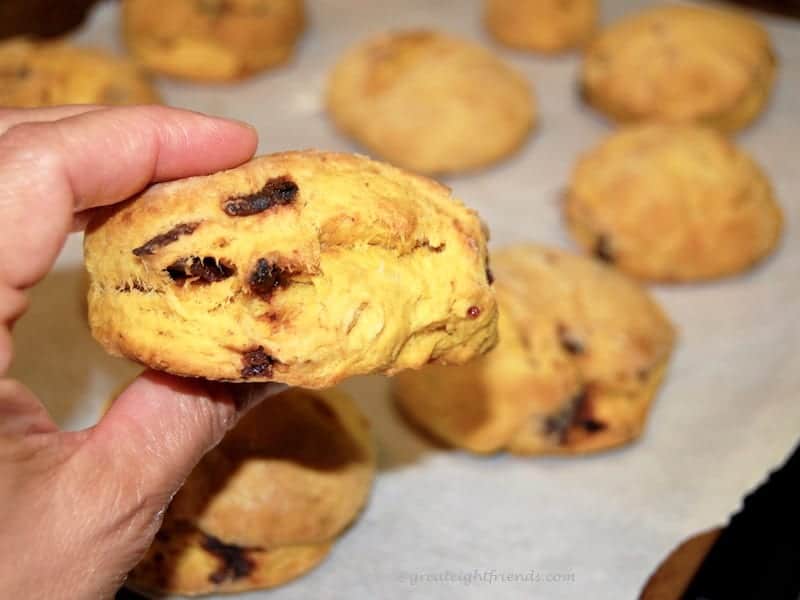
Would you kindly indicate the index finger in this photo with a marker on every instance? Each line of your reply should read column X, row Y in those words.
column 49, row 171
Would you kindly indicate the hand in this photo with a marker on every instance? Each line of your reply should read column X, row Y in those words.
column 79, row 509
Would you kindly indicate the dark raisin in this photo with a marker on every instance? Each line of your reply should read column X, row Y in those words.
column 177, row 271
column 592, row 425
column 234, row 562
column 257, row 363
column 558, row 425
column 161, row 240
column 200, row 271
column 603, row 250
column 569, row 341
column 266, row 278
column 473, row 312
column 584, row 414
column 278, row 191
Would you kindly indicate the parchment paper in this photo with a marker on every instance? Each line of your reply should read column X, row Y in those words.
column 729, row 411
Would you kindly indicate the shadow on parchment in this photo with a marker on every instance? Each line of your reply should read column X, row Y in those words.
column 399, row 443
column 56, row 356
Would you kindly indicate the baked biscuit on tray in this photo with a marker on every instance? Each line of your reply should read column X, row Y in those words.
column 541, row 25
column 35, row 74
column 672, row 203
column 430, row 102
column 266, row 505
column 681, row 63
column 299, row 267
column 212, row 40
column 582, row 352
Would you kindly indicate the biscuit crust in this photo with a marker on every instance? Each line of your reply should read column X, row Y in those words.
column 681, row 64
column 184, row 560
column 672, row 203
column 430, row 102
column 541, row 25
column 582, row 352
column 296, row 470
column 299, row 267
column 37, row 74
column 266, row 504
column 212, row 40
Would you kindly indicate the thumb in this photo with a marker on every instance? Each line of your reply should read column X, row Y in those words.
column 160, row 427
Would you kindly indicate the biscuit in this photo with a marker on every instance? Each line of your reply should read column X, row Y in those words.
column 265, row 505
column 672, row 203
column 430, row 102
column 299, row 267
column 42, row 17
column 673, row 576
column 582, row 351
column 35, row 74
column 681, row 64
column 310, row 450
column 212, row 40
column 184, row 560
column 541, row 25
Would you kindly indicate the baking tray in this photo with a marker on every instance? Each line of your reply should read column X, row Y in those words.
column 444, row 524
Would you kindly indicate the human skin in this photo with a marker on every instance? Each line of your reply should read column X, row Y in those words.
column 79, row 509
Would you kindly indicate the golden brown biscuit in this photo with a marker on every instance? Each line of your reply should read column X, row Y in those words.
column 681, row 64
column 430, row 102
column 35, row 74
column 300, row 267
column 212, row 40
column 673, row 576
column 672, row 203
column 265, row 505
column 541, row 25
column 295, row 471
column 582, row 352
column 184, row 560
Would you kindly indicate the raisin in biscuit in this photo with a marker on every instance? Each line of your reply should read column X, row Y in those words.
column 184, row 560
column 212, row 40
column 430, row 102
column 35, row 74
column 265, row 505
column 674, row 575
column 541, row 25
column 582, row 351
column 681, row 64
column 300, row 267
column 672, row 203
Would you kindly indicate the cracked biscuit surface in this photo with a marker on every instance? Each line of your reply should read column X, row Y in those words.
column 266, row 505
column 672, row 203
column 541, row 25
column 299, row 267
column 681, row 64
column 430, row 102
column 212, row 40
column 36, row 74
column 582, row 352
